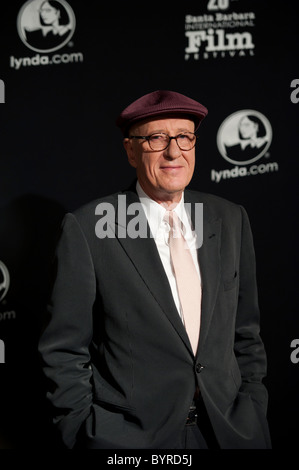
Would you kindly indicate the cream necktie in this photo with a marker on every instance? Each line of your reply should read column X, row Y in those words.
column 187, row 279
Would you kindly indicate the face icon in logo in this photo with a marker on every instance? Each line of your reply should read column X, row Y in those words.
column 45, row 26
column 4, row 280
column 244, row 137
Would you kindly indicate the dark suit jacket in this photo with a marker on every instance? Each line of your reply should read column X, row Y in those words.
column 118, row 360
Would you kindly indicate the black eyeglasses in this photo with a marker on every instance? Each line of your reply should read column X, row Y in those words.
column 160, row 141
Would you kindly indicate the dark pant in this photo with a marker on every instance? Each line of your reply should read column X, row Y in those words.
column 198, row 432
column 192, row 438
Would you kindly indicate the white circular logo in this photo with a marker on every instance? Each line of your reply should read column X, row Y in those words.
column 4, row 280
column 244, row 137
column 45, row 26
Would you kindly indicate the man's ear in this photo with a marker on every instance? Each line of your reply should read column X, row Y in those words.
column 130, row 152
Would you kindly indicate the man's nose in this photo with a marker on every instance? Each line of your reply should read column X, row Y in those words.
column 173, row 151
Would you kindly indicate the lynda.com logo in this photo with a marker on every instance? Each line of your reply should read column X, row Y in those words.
column 244, row 137
column 4, row 280
column 46, row 26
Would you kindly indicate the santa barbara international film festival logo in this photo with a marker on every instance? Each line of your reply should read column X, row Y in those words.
column 219, row 32
column 243, row 139
column 45, row 27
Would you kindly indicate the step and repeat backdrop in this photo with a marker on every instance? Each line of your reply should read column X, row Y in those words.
column 67, row 68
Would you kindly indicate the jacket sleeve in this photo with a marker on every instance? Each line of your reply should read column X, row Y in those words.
column 64, row 343
column 249, row 348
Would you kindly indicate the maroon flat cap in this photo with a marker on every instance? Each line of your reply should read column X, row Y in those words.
column 161, row 103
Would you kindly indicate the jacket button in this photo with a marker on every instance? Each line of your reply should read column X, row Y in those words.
column 198, row 367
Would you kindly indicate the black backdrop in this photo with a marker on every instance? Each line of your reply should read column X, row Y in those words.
column 60, row 148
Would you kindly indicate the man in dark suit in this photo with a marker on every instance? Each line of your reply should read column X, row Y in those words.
column 129, row 364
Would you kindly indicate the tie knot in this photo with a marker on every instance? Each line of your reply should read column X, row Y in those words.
column 175, row 223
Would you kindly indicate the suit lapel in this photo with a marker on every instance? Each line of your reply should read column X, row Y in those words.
column 209, row 263
column 144, row 255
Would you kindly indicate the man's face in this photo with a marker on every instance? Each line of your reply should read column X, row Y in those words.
column 164, row 174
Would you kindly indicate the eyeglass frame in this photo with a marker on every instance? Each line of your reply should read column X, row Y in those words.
column 147, row 138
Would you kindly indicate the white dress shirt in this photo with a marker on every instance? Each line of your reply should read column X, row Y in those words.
column 160, row 233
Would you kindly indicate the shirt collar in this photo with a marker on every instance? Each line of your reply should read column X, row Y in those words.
column 155, row 211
